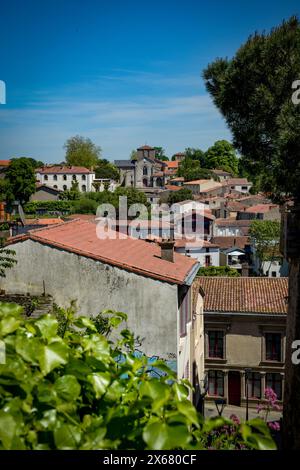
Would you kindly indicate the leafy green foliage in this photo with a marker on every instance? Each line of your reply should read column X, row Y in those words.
column 105, row 169
column 190, row 170
column 49, row 206
column 20, row 180
column 218, row 271
column 7, row 258
column 183, row 194
column 81, row 151
column 71, row 194
column 253, row 91
column 81, row 391
column 222, row 156
column 265, row 235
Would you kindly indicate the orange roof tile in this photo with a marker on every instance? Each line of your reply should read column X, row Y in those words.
column 79, row 236
column 245, row 294
column 63, row 170
column 174, row 164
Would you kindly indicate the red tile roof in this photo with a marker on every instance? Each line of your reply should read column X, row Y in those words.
column 146, row 147
column 172, row 187
column 138, row 256
column 4, row 162
column 233, row 222
column 245, row 294
column 237, row 181
column 174, row 164
column 261, row 208
column 185, row 242
column 63, row 170
column 45, row 221
column 229, row 242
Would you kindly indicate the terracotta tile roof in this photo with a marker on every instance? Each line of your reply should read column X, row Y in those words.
column 232, row 222
column 184, row 242
column 145, row 147
column 202, row 181
column 261, row 208
column 216, row 171
column 245, row 294
column 4, row 162
column 63, row 170
column 237, row 181
column 172, row 187
column 174, row 164
column 138, row 256
column 53, row 221
column 179, row 178
column 228, row 242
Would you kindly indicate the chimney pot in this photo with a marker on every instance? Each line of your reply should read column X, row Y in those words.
column 167, row 249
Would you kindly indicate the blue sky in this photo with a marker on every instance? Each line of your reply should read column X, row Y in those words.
column 123, row 73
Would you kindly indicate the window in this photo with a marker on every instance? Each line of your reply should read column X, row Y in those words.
column 83, row 188
column 216, row 344
column 207, row 260
column 216, row 383
column 55, row 177
column 55, row 186
column 273, row 346
column 65, row 187
column 254, row 385
column 45, row 177
column 83, row 177
column 74, row 177
column 65, row 177
column 274, row 274
column 244, row 188
column 185, row 313
column 274, row 381
column 145, row 171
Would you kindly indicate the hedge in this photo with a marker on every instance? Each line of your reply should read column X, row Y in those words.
column 48, row 206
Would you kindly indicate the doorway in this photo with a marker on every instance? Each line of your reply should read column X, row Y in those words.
column 234, row 388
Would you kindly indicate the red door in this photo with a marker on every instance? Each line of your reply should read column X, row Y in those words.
column 234, row 388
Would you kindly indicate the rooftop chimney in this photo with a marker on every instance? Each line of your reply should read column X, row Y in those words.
column 245, row 270
column 167, row 250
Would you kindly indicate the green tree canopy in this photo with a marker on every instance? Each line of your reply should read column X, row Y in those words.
column 222, row 155
column 160, row 154
column 183, row 194
column 20, row 179
column 218, row 271
column 265, row 235
column 195, row 154
column 81, row 151
column 190, row 170
column 106, row 169
column 253, row 91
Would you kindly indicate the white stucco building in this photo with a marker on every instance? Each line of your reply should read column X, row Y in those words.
column 61, row 177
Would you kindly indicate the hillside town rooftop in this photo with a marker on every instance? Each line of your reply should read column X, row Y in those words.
column 80, row 237
column 245, row 294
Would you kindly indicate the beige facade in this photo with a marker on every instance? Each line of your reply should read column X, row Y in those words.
column 242, row 341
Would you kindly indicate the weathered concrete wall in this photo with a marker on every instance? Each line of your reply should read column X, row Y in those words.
column 151, row 305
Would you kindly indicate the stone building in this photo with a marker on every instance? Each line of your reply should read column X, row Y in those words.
column 144, row 171
column 245, row 329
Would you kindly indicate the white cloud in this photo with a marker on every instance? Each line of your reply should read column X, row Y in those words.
column 117, row 125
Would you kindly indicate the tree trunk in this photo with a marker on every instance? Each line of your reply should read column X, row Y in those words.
column 291, row 409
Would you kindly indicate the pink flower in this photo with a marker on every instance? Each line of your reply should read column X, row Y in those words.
column 259, row 408
column 235, row 419
column 274, row 425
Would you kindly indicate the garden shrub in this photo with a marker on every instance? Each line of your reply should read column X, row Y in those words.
column 75, row 389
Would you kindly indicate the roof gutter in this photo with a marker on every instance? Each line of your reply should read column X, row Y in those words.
column 188, row 280
column 246, row 314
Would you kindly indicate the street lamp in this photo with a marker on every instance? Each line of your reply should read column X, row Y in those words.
column 247, row 372
column 220, row 402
